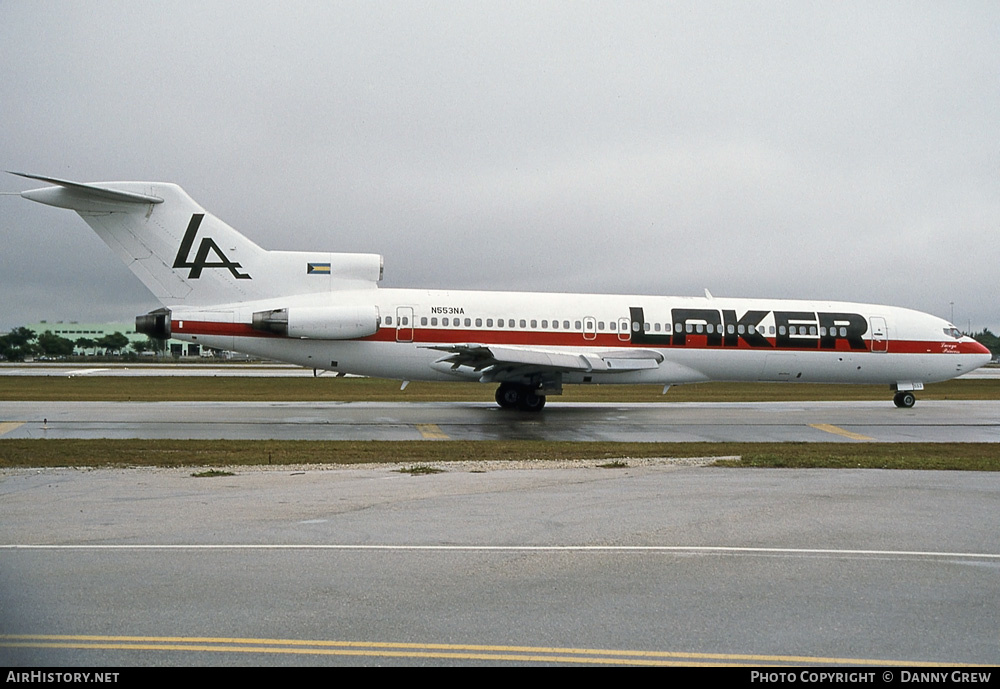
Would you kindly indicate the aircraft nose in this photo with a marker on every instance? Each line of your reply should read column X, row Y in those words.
column 978, row 348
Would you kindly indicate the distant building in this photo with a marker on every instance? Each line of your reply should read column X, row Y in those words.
column 72, row 330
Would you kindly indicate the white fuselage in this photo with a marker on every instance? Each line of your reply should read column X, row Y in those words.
column 700, row 339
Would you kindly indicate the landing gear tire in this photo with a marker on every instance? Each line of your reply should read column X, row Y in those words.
column 511, row 396
column 531, row 401
column 904, row 400
column 508, row 396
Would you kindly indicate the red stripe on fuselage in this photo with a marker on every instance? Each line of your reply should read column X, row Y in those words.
column 187, row 327
column 576, row 339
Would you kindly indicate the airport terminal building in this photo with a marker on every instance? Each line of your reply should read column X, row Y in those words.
column 73, row 331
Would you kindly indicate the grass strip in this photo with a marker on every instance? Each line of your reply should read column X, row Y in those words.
column 229, row 453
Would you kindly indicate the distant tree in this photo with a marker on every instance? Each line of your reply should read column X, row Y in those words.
column 988, row 340
column 85, row 343
column 16, row 344
column 150, row 344
column 114, row 342
column 50, row 344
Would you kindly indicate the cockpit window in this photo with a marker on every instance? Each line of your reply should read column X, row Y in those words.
column 952, row 331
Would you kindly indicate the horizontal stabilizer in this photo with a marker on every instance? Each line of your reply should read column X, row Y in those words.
column 91, row 191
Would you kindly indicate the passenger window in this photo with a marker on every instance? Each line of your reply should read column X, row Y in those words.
column 479, row 322
column 600, row 325
column 489, row 322
column 423, row 320
column 434, row 321
column 534, row 323
column 388, row 320
column 545, row 324
column 565, row 325
column 468, row 322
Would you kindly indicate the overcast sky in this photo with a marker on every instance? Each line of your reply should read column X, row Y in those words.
column 831, row 150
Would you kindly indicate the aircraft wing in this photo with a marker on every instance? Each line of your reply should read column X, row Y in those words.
column 493, row 358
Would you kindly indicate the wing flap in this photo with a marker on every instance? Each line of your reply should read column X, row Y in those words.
column 479, row 357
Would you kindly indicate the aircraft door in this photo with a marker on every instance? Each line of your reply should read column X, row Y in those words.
column 880, row 334
column 589, row 328
column 404, row 324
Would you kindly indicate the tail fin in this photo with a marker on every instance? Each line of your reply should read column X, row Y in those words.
column 186, row 256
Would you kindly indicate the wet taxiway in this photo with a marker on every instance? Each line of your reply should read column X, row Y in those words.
column 929, row 421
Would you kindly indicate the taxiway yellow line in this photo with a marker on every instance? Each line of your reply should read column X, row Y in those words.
column 543, row 654
column 430, row 431
column 837, row 430
column 8, row 426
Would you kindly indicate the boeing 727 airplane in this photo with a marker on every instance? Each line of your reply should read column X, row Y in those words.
column 325, row 311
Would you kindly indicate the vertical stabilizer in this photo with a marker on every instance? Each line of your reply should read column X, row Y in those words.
column 185, row 255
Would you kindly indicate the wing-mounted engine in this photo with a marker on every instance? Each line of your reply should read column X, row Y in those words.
column 319, row 322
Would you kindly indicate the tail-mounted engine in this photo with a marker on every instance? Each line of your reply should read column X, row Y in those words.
column 319, row 322
column 155, row 324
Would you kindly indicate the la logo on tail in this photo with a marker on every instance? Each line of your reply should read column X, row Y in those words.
column 200, row 261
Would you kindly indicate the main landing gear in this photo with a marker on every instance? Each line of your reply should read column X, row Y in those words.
column 513, row 396
column 904, row 400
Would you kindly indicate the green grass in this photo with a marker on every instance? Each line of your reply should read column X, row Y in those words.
column 329, row 388
column 211, row 473
column 420, row 470
column 231, row 453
